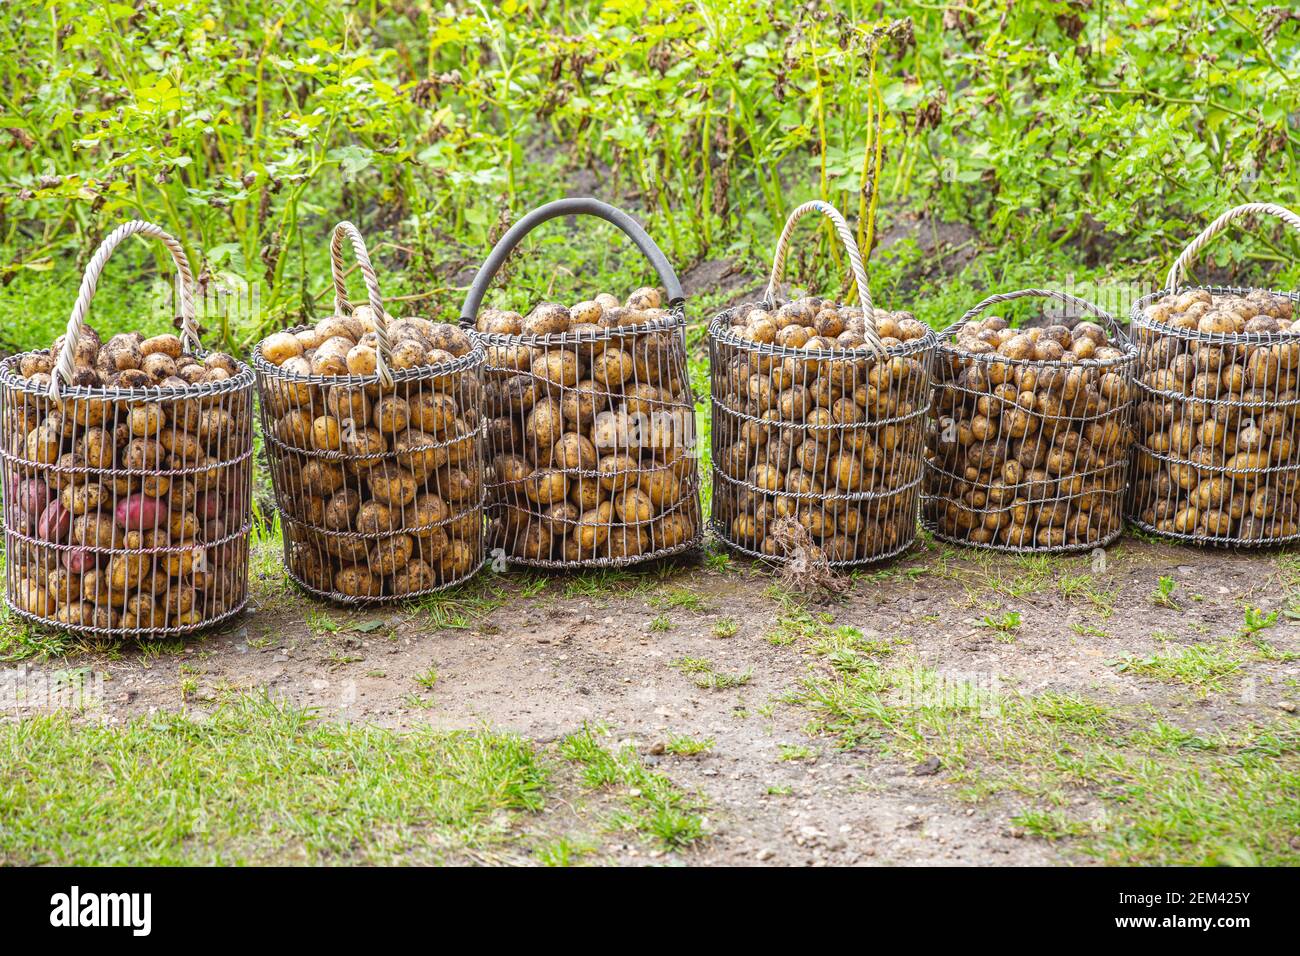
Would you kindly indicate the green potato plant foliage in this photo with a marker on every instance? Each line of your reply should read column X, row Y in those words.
column 1105, row 132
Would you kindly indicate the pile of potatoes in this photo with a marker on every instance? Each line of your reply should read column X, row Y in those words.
column 833, row 443
column 127, row 514
column 381, row 486
column 1031, row 452
column 591, row 440
column 1216, row 420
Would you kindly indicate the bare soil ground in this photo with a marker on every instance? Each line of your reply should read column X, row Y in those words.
column 542, row 655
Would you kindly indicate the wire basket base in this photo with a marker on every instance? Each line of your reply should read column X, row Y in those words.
column 1065, row 549
column 776, row 561
column 121, row 633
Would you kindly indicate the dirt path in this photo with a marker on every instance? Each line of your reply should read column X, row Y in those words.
column 544, row 655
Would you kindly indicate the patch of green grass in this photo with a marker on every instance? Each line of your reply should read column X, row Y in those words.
column 686, row 746
column 704, row 675
column 727, row 627
column 257, row 782
column 427, row 679
column 462, row 607
column 321, row 622
column 608, row 582
column 651, row 804
column 678, row 598
column 1256, row 620
column 661, row 623
column 1163, row 595
column 786, row 752
column 563, row 851
column 1153, row 794
column 1202, row 666
column 1004, row 625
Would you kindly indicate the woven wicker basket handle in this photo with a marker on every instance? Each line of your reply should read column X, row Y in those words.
column 553, row 210
column 1065, row 297
column 383, row 349
column 855, row 264
column 63, row 366
column 1178, row 271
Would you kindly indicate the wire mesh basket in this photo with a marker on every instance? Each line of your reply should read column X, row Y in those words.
column 127, row 474
column 591, row 431
column 1215, row 460
column 378, row 474
column 818, row 415
column 1028, row 444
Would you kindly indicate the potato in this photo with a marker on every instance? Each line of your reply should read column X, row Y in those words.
column 392, row 484
column 414, row 576
column 391, row 414
column 356, row 580
column 1227, row 407
column 388, row 555
column 279, row 347
column 326, row 433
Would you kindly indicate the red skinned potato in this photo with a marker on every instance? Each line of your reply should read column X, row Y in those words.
column 79, row 560
column 138, row 512
column 54, row 523
column 31, row 495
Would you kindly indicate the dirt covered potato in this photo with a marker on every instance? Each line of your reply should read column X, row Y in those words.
column 576, row 426
column 814, row 452
column 1217, row 405
column 1029, row 434
column 128, row 512
column 379, row 483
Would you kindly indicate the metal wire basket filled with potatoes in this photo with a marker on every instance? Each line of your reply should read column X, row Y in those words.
column 1216, row 459
column 373, row 433
column 591, row 420
column 818, row 416
column 1028, row 444
column 127, row 473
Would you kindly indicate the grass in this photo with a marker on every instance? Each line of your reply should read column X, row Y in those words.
column 682, row 745
column 1202, row 666
column 1004, row 625
column 649, row 803
column 727, row 627
column 1163, row 595
column 258, row 782
column 1114, row 785
column 661, row 624
column 704, row 675
column 678, row 599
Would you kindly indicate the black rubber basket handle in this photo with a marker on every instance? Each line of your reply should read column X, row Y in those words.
column 554, row 210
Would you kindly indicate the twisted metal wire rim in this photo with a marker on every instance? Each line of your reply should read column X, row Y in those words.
column 857, row 497
column 494, row 506
column 289, row 518
column 22, row 536
column 459, row 363
column 1111, row 538
column 133, row 631
column 722, row 536
column 57, row 469
column 935, row 470
column 325, row 454
column 1218, row 541
column 946, row 344
column 559, row 564
column 806, row 429
column 1200, row 466
column 675, row 320
column 1179, row 397
column 338, row 597
column 720, row 330
column 1138, row 318
column 242, row 380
